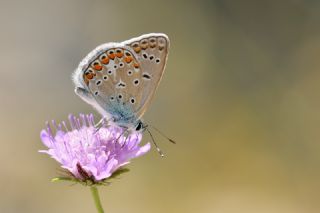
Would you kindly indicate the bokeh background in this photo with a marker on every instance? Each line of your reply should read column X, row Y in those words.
column 240, row 95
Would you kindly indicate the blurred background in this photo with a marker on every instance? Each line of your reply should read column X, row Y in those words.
column 240, row 95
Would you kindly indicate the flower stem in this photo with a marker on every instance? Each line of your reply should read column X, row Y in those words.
column 96, row 198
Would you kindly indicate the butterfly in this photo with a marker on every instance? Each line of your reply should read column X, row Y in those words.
column 120, row 79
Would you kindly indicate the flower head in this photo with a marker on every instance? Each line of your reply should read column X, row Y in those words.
column 88, row 153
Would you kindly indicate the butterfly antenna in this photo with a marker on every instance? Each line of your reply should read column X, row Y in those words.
column 155, row 144
column 161, row 133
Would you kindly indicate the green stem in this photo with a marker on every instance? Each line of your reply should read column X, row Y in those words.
column 95, row 195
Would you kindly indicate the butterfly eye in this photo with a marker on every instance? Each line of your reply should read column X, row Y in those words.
column 96, row 65
column 120, row 96
column 144, row 44
column 111, row 54
column 119, row 53
column 152, row 42
column 104, row 59
column 109, row 72
column 129, row 72
column 151, row 57
column 105, row 77
column 132, row 100
column 111, row 98
column 121, row 64
column 98, row 82
column 158, row 60
column 96, row 93
column 136, row 47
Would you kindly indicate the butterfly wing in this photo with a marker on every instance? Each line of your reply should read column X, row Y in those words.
column 119, row 79
column 86, row 76
column 151, row 51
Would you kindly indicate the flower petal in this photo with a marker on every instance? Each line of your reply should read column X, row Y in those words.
column 46, row 138
column 144, row 149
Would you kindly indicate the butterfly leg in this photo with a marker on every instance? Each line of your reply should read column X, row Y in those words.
column 125, row 130
column 125, row 141
column 100, row 124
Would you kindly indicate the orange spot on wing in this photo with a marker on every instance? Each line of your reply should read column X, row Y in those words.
column 119, row 54
column 112, row 56
column 144, row 44
column 86, row 80
column 152, row 42
column 128, row 59
column 89, row 75
column 105, row 60
column 97, row 67
column 136, row 65
column 137, row 49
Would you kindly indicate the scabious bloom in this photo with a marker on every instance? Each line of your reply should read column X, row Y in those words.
column 89, row 153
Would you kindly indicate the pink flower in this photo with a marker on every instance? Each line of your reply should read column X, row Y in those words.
column 88, row 153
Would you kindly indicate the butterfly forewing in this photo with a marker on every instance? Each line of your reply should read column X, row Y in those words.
column 151, row 51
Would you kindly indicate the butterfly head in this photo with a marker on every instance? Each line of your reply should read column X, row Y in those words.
column 140, row 126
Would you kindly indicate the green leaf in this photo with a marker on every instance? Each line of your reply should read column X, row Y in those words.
column 57, row 179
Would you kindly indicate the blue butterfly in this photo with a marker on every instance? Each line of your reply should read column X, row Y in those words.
column 120, row 79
